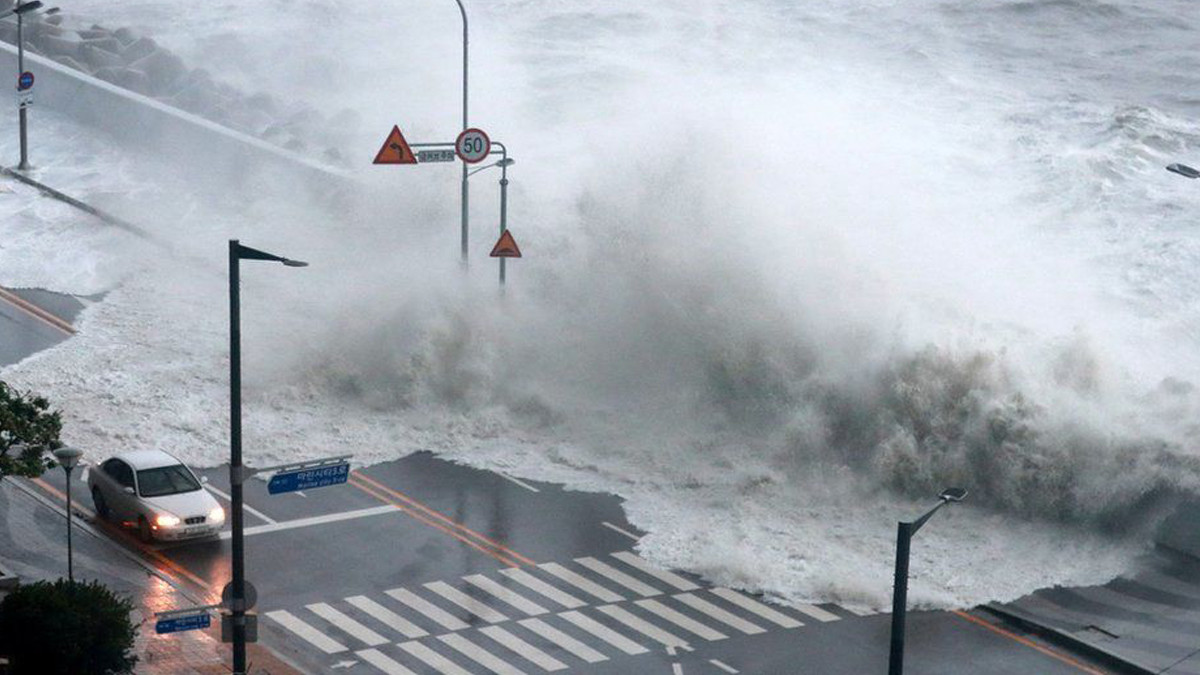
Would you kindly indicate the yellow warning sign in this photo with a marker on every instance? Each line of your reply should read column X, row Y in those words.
column 506, row 247
column 395, row 150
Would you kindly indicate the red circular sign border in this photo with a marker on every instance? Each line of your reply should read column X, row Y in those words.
column 458, row 140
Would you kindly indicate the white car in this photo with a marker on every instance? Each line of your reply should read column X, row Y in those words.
column 155, row 493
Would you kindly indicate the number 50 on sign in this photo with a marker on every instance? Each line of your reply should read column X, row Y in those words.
column 473, row 146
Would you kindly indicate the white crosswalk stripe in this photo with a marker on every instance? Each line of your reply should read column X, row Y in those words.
column 403, row 626
column 434, row 660
column 438, row 615
column 603, row 632
column 348, row 625
column 756, row 607
column 673, row 579
column 466, row 602
column 523, row 648
column 644, row 627
column 507, row 595
column 533, row 583
column 383, row 662
column 729, row 618
column 564, row 641
column 681, row 620
column 618, row 576
column 480, row 655
column 308, row 633
column 816, row 612
column 580, row 582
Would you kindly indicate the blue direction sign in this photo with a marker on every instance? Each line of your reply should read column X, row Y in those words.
column 177, row 623
column 307, row 479
column 25, row 81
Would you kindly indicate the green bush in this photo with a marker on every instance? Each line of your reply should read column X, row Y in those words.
column 67, row 628
column 28, row 429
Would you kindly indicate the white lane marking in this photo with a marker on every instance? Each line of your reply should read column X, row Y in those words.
column 316, row 520
column 566, row 642
column 681, row 620
column 706, row 607
column 383, row 662
column 618, row 530
column 518, row 481
column 433, row 659
column 756, row 607
column 440, row 616
column 354, row 628
column 618, row 576
column 466, row 602
column 663, row 575
column 605, row 633
column 644, row 627
column 582, row 583
column 249, row 509
column 479, row 655
column 724, row 666
column 859, row 612
column 523, row 648
column 312, row 635
column 817, row 613
column 676, row 669
column 511, row 597
column 528, row 580
column 387, row 616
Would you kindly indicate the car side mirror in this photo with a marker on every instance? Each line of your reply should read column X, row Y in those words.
column 127, row 490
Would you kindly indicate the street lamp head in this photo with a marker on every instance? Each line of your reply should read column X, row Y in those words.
column 293, row 263
column 954, row 494
column 28, row 7
column 68, row 456
column 507, row 161
column 1183, row 170
column 52, row 10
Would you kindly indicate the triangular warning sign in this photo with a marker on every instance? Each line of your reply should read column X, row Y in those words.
column 395, row 150
column 506, row 247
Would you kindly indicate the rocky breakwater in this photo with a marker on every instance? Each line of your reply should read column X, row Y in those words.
column 135, row 62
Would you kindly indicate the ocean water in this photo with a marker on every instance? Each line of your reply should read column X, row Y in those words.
column 791, row 267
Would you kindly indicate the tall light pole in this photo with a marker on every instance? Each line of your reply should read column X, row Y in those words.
column 20, row 11
column 904, row 535
column 237, row 253
column 68, row 457
column 466, row 193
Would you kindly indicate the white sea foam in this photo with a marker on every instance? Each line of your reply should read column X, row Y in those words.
column 788, row 271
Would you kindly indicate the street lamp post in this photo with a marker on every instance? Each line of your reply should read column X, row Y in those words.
column 904, row 535
column 466, row 193
column 68, row 457
column 237, row 253
column 20, row 11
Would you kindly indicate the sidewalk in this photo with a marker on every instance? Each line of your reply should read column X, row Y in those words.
column 33, row 547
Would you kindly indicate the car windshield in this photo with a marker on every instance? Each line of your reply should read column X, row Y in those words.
column 166, row 480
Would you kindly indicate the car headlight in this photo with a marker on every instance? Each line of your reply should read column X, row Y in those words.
column 165, row 520
column 217, row 515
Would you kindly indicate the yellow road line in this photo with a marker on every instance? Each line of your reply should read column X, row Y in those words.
column 1031, row 644
column 36, row 312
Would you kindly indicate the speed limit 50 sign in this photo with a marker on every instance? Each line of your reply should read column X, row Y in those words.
column 472, row 146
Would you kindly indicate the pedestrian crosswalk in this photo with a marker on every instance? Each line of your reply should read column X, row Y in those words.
column 546, row 618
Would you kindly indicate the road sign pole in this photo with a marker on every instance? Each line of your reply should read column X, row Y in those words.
column 22, row 112
column 235, row 462
column 503, row 212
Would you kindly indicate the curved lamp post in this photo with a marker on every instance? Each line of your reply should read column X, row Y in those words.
column 238, row 253
column 466, row 195
column 904, row 535
column 504, row 162
column 69, row 458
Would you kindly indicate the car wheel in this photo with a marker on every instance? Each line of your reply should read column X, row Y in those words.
column 101, row 505
column 144, row 532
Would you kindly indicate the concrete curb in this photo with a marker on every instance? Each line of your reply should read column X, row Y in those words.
column 1028, row 623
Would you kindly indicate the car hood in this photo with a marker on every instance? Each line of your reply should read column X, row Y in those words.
column 184, row 504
